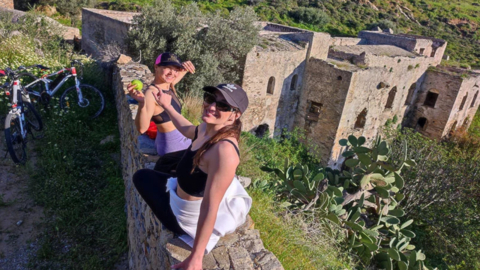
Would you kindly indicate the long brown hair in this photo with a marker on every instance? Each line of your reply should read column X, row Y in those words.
column 225, row 132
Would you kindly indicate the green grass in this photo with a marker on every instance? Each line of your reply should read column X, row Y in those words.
column 291, row 244
column 80, row 185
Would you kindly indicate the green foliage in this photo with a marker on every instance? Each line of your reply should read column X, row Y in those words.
column 216, row 43
column 364, row 200
column 80, row 185
column 442, row 194
column 385, row 24
column 271, row 152
column 310, row 15
column 295, row 247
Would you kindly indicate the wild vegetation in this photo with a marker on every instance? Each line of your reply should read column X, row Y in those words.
column 216, row 50
column 440, row 189
column 455, row 21
column 76, row 180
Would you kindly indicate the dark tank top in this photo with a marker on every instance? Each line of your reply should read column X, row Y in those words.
column 163, row 117
column 193, row 183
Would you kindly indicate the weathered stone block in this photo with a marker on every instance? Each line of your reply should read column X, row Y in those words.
column 240, row 258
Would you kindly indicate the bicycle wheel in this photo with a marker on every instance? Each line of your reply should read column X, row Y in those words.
column 33, row 119
column 92, row 105
column 13, row 138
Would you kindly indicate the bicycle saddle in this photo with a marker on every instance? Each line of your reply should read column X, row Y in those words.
column 2, row 73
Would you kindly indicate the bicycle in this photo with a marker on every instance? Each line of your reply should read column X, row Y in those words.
column 21, row 119
column 85, row 96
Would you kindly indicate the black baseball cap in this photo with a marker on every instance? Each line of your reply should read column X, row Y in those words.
column 233, row 93
column 168, row 59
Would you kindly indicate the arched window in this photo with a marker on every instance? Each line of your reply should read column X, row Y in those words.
column 408, row 101
column 431, row 98
column 391, row 98
column 421, row 123
column 474, row 100
column 293, row 84
column 271, row 85
column 361, row 119
column 463, row 102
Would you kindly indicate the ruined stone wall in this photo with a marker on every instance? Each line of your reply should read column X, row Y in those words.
column 345, row 90
column 447, row 87
column 370, row 90
column 275, row 109
column 462, row 118
column 100, row 29
column 6, row 4
column 151, row 246
column 380, row 38
column 344, row 41
column 325, row 87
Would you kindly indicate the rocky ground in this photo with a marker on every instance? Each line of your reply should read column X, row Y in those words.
column 20, row 217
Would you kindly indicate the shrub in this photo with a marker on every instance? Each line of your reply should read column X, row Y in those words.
column 310, row 15
column 215, row 44
column 384, row 24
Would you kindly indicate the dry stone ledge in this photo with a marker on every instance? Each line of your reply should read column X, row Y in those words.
column 242, row 249
column 150, row 245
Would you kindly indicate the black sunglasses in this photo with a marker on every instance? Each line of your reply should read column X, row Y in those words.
column 210, row 98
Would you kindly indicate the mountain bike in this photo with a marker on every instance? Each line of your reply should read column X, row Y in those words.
column 86, row 97
column 22, row 117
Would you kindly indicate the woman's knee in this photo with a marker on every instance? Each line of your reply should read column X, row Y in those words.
column 140, row 176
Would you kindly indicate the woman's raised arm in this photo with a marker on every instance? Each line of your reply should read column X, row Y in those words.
column 180, row 122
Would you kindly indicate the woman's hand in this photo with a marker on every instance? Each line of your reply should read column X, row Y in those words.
column 137, row 95
column 190, row 263
column 188, row 67
column 163, row 99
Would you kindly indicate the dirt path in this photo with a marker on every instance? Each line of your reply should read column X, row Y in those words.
column 19, row 216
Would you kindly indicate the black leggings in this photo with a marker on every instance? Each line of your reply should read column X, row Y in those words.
column 168, row 162
column 152, row 186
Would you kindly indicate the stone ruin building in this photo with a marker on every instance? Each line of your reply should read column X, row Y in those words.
column 334, row 86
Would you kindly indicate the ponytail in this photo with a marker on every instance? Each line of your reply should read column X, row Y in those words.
column 225, row 132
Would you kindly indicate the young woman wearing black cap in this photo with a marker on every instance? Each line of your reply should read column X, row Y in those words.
column 170, row 143
column 206, row 200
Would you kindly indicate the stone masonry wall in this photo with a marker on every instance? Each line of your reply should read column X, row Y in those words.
column 345, row 90
column 6, row 4
column 327, row 86
column 451, row 89
column 151, row 246
column 367, row 92
column 101, row 28
column 275, row 109
column 463, row 118
column 344, row 41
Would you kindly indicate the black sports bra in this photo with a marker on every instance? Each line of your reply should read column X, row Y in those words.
column 193, row 183
column 163, row 117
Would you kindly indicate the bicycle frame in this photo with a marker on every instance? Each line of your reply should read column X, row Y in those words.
column 17, row 105
column 44, row 79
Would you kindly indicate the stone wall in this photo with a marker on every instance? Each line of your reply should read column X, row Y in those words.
column 344, row 41
column 277, row 109
column 445, row 114
column 105, row 29
column 6, row 4
column 151, row 246
column 345, row 91
column 327, row 88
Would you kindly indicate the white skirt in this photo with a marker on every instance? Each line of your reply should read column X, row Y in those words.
column 232, row 212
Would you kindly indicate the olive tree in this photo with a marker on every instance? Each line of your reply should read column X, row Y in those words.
column 216, row 43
